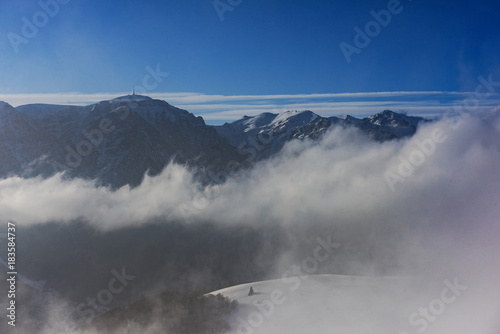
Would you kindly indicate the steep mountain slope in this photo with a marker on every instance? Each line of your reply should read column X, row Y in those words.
column 21, row 143
column 388, row 125
column 265, row 134
column 118, row 141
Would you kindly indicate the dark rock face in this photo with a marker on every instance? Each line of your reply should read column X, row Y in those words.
column 117, row 142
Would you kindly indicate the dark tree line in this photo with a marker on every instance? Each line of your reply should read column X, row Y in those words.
column 171, row 312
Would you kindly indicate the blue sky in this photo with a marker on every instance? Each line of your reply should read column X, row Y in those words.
column 260, row 48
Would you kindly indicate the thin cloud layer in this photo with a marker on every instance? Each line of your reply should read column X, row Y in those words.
column 217, row 109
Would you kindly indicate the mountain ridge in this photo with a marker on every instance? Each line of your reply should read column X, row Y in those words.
column 118, row 141
column 265, row 134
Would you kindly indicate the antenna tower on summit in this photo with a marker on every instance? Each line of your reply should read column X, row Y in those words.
column 133, row 90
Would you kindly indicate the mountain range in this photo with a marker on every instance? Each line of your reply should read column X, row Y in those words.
column 116, row 142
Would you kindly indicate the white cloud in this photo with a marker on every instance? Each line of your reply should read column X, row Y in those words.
column 449, row 203
column 30, row 201
column 339, row 183
column 340, row 179
column 218, row 108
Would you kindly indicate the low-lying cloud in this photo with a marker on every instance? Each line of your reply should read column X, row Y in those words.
column 437, row 212
column 416, row 187
column 341, row 179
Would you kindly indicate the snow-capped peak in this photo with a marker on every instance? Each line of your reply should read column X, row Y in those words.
column 258, row 121
column 304, row 116
column 131, row 97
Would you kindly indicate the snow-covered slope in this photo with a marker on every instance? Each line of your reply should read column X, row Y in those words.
column 326, row 304
column 389, row 125
column 265, row 134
